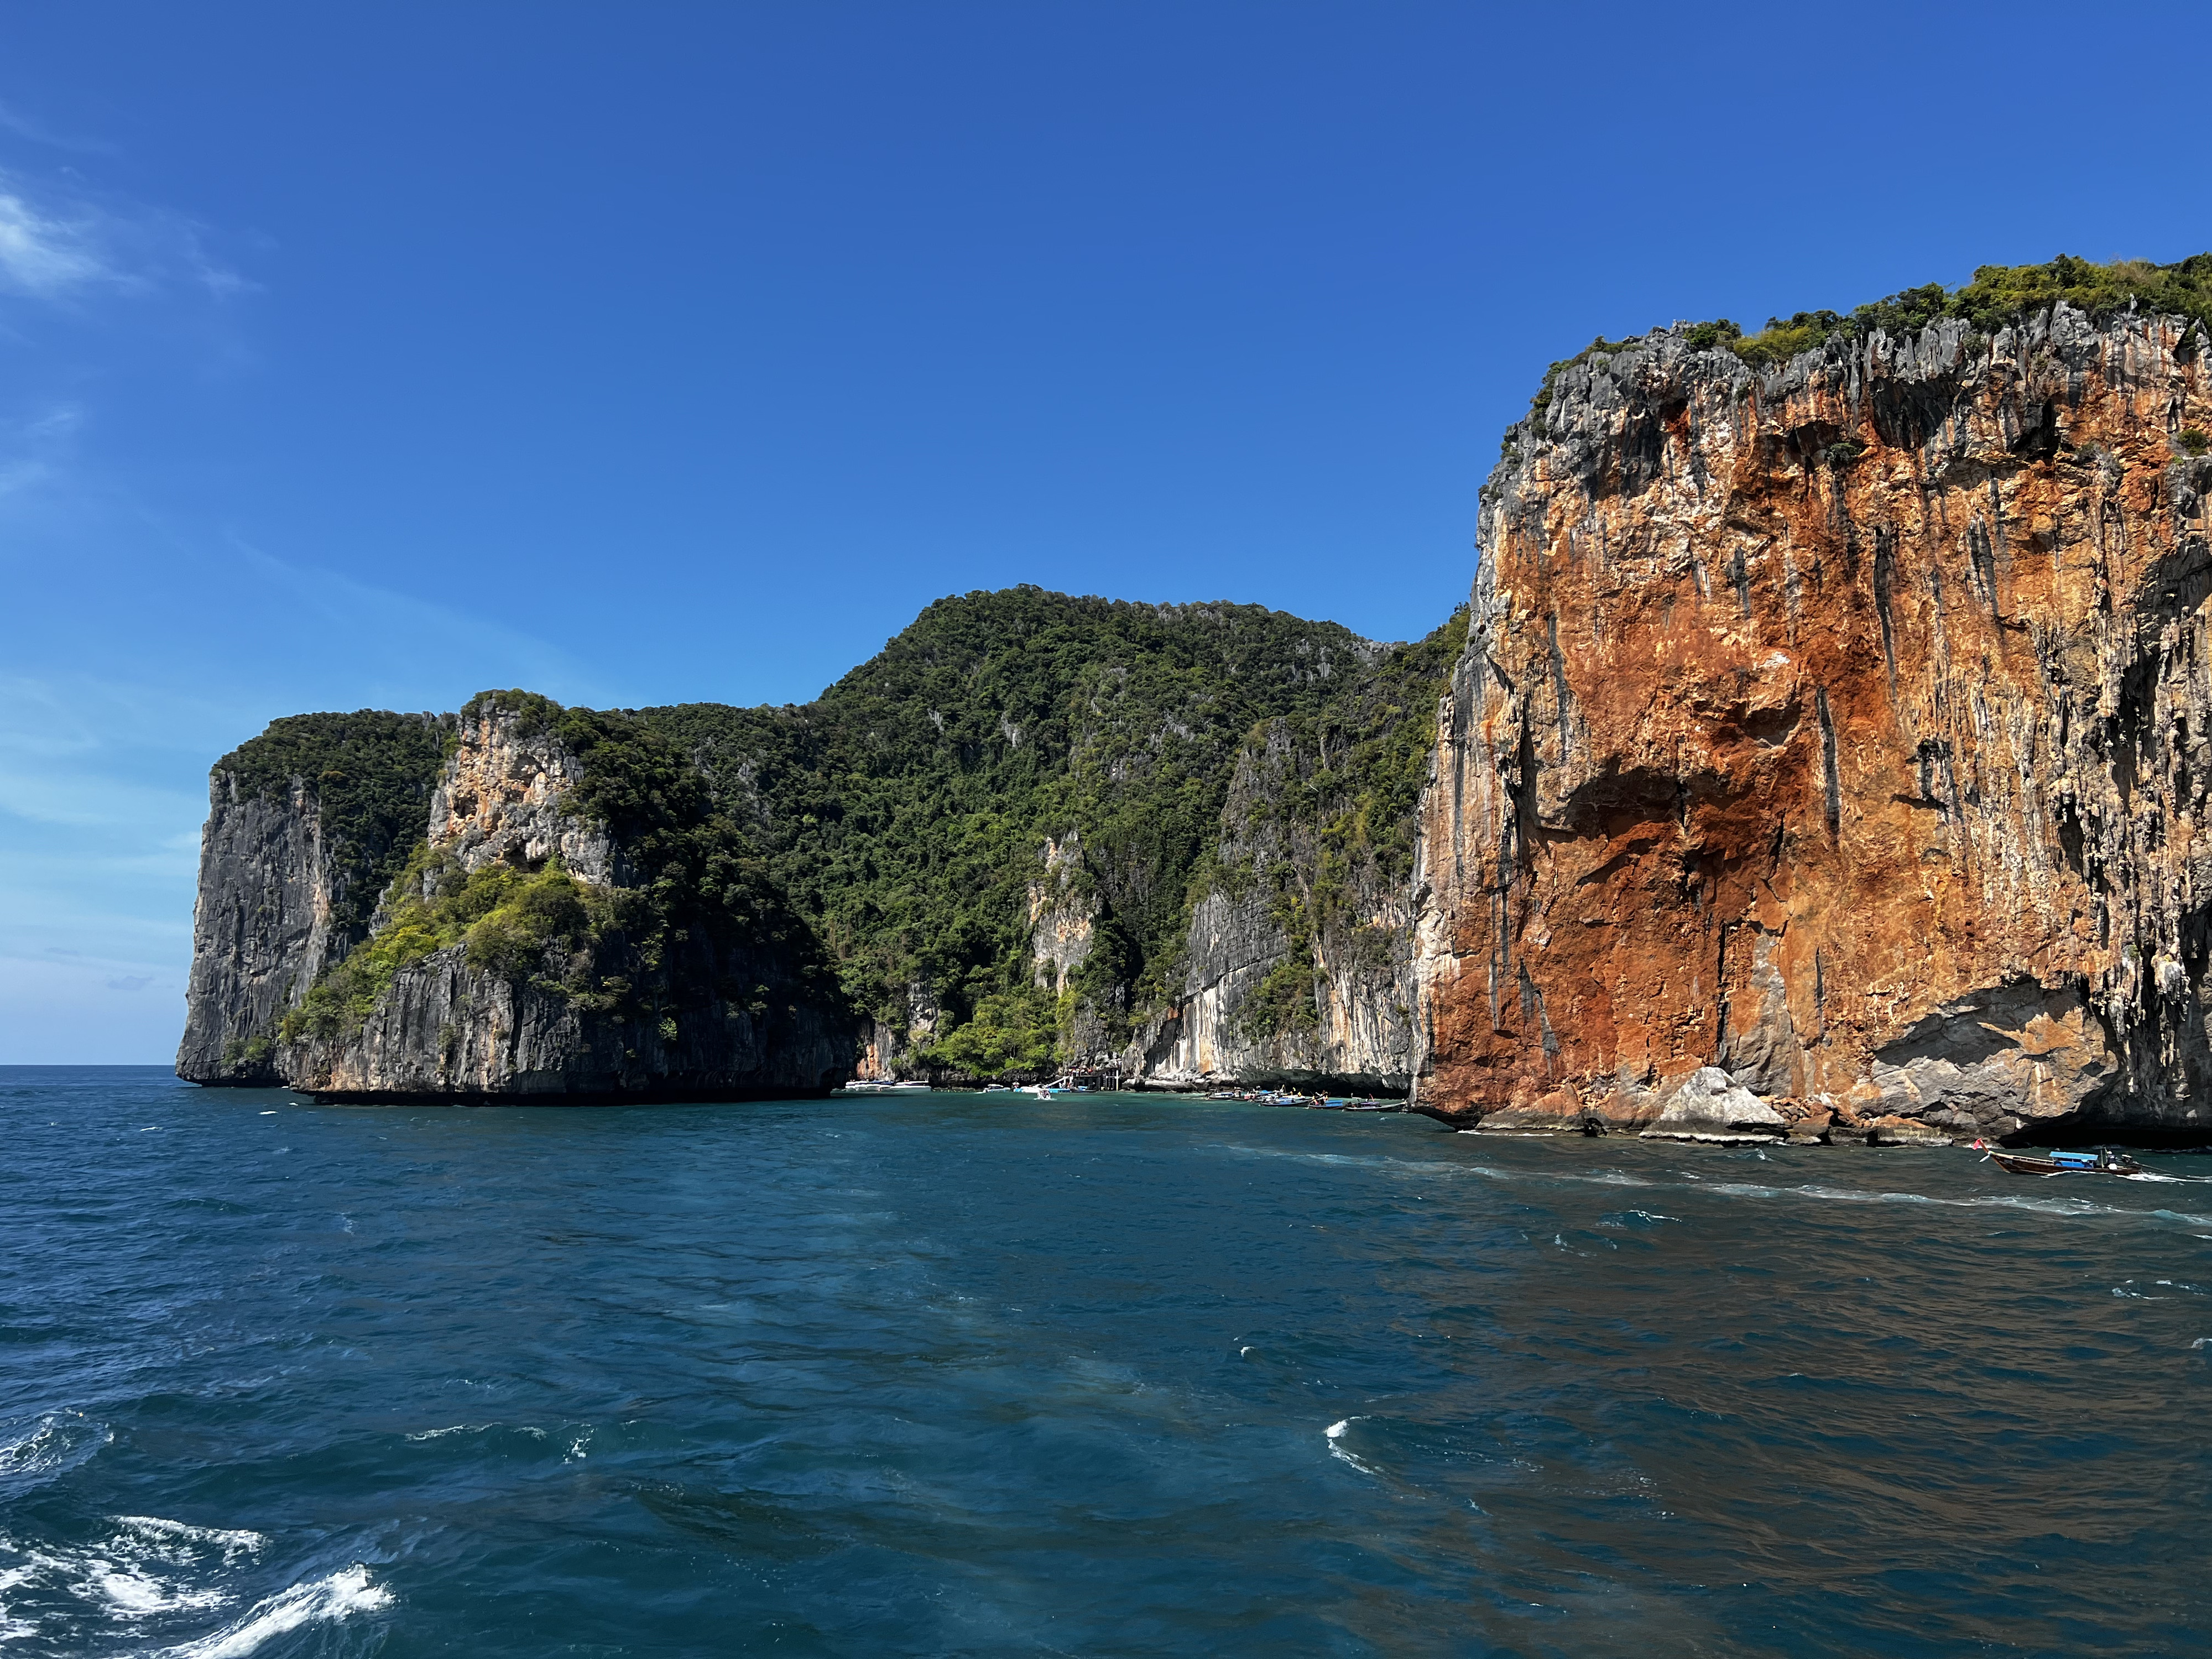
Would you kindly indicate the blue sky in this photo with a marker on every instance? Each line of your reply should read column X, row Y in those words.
column 371, row 355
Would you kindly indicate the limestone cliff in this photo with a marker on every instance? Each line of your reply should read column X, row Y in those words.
column 573, row 922
column 1024, row 828
column 260, row 930
column 1845, row 725
column 1300, row 966
column 305, row 824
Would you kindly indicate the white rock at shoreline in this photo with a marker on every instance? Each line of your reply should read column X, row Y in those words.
column 1709, row 1105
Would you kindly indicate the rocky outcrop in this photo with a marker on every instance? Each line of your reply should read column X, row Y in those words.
column 305, row 825
column 1300, row 969
column 445, row 1029
column 505, row 797
column 547, row 940
column 261, row 930
column 1710, row 1105
column 1063, row 913
column 1845, row 728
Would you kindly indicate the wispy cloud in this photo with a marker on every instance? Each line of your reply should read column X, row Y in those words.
column 31, row 451
column 48, row 257
column 56, row 246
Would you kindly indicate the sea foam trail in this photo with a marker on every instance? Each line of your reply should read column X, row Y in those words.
column 336, row 1596
column 2066, row 1208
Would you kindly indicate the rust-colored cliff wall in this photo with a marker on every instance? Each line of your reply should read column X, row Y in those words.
column 1844, row 726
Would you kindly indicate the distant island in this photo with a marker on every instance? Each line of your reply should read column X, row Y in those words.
column 1823, row 754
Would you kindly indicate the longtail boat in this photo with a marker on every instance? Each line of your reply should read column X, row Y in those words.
column 2102, row 1160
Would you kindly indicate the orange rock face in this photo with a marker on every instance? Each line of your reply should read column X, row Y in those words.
column 1844, row 727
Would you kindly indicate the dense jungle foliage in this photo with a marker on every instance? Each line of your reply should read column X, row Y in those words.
column 697, row 891
column 370, row 775
column 903, row 811
column 1327, row 806
column 883, row 839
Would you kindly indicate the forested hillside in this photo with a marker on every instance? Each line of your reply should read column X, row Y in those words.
column 904, row 812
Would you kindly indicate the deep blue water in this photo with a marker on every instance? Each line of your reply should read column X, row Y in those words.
column 1128, row 1376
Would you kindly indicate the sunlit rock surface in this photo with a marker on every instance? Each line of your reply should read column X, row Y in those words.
column 1843, row 727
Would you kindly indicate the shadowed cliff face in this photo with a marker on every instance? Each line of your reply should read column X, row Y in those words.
column 1843, row 727
column 261, row 931
column 305, row 824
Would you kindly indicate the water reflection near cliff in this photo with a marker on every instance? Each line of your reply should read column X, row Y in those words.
column 1114, row 1375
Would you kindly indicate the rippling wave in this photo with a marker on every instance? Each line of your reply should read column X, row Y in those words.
column 944, row 1376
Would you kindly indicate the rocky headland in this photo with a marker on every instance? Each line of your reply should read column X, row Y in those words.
column 1822, row 756
column 571, row 920
column 1835, row 728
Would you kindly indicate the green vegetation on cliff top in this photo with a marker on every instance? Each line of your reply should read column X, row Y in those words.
column 1998, row 295
column 370, row 775
column 507, row 918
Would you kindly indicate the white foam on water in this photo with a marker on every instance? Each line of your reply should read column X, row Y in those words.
column 150, row 1565
column 1335, row 1433
column 10, row 1626
column 232, row 1541
column 2070, row 1208
column 50, row 1444
column 1606, row 1178
column 455, row 1428
column 126, row 1591
column 337, row 1595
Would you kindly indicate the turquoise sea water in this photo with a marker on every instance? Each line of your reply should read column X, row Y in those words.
column 941, row 1374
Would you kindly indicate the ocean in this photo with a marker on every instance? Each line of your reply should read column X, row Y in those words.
column 1122, row 1375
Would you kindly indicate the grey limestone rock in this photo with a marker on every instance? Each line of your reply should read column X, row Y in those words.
column 1709, row 1105
column 261, row 931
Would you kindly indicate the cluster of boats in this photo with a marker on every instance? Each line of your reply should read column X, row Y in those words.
column 1316, row 1102
column 1078, row 1083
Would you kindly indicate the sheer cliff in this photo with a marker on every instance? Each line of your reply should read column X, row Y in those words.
column 1827, row 751
column 568, row 917
column 306, row 825
column 1843, row 722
